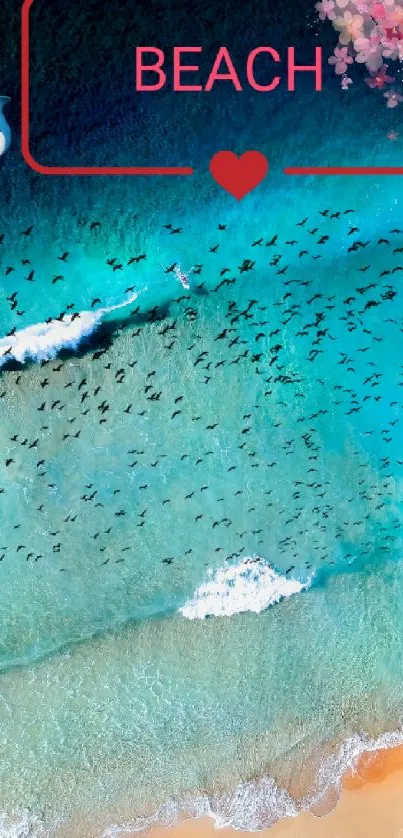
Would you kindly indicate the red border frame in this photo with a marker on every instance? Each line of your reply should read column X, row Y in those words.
column 69, row 170
column 143, row 170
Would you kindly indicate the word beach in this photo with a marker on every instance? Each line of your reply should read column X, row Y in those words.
column 151, row 75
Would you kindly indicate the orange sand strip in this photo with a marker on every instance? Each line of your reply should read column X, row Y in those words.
column 375, row 767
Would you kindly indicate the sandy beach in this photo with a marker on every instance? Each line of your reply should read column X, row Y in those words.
column 370, row 805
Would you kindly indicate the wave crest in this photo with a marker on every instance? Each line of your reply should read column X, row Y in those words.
column 43, row 341
column 250, row 585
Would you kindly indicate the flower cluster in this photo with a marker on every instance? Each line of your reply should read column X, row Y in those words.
column 369, row 32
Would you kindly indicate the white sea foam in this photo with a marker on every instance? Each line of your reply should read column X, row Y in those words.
column 346, row 758
column 250, row 585
column 258, row 804
column 42, row 341
column 22, row 824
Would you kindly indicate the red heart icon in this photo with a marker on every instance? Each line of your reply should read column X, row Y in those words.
column 239, row 175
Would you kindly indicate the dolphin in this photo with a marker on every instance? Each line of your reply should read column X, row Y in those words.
column 5, row 133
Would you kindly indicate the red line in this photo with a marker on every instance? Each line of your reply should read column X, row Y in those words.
column 25, row 127
column 344, row 170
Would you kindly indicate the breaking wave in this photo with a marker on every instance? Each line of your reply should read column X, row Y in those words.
column 250, row 585
column 43, row 341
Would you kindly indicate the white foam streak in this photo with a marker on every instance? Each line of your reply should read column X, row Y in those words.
column 43, row 341
column 250, row 585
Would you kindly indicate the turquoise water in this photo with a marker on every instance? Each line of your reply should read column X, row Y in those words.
column 114, row 704
column 200, row 490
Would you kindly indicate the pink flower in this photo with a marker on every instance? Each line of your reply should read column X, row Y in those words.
column 340, row 59
column 370, row 33
column 391, row 48
column 350, row 27
column 393, row 98
column 393, row 32
column 394, row 18
column 326, row 9
column 377, row 10
column 380, row 78
column 369, row 51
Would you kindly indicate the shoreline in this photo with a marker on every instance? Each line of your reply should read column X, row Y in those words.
column 370, row 803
